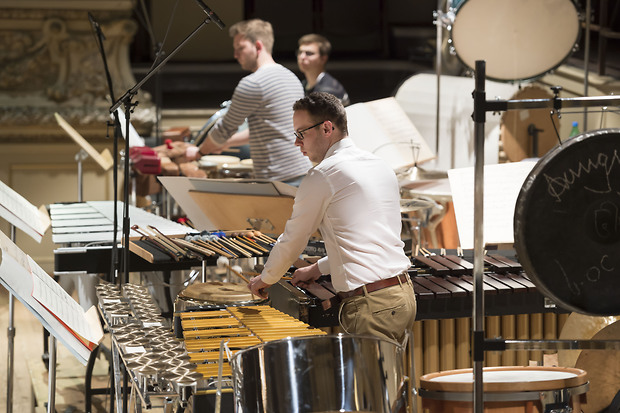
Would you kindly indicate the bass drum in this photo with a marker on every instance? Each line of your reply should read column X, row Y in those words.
column 567, row 223
column 242, row 152
column 519, row 40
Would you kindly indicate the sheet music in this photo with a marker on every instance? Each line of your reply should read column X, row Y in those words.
column 502, row 184
column 58, row 302
column 383, row 128
column 134, row 137
column 22, row 214
column 15, row 277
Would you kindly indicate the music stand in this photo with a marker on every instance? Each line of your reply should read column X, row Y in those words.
column 23, row 215
column 233, row 204
column 21, row 276
column 103, row 159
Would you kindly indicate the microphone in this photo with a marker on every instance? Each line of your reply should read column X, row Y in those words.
column 95, row 25
column 211, row 14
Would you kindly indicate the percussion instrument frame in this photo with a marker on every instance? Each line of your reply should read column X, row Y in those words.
column 481, row 106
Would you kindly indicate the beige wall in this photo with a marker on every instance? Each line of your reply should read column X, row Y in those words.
column 45, row 174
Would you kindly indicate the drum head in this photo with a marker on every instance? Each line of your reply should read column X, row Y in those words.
column 603, row 367
column 567, row 223
column 505, row 379
column 516, row 124
column 580, row 327
column 518, row 39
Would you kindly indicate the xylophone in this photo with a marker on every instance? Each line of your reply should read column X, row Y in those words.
column 443, row 284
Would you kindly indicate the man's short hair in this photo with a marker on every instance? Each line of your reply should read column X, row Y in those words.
column 325, row 47
column 253, row 30
column 324, row 106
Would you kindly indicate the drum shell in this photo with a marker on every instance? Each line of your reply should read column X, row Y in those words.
column 339, row 373
column 512, row 394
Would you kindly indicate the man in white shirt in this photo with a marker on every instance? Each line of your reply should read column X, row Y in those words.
column 352, row 197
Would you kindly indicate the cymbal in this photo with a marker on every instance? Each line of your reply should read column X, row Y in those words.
column 580, row 327
column 603, row 367
column 218, row 292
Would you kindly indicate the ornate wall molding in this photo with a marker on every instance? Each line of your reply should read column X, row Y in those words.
column 50, row 62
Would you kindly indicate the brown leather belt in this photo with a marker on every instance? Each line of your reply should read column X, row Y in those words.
column 377, row 285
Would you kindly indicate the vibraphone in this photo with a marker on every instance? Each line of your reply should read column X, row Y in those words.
column 161, row 365
column 85, row 231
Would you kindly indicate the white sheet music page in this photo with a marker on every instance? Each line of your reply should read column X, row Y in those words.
column 22, row 214
column 58, row 302
column 383, row 128
column 502, row 184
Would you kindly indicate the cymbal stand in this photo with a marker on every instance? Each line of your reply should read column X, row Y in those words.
column 481, row 106
column 441, row 20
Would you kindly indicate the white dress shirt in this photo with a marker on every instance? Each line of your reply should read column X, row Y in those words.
column 352, row 197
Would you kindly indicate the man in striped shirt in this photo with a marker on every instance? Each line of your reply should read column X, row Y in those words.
column 265, row 98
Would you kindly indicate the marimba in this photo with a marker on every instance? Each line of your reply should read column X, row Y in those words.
column 443, row 285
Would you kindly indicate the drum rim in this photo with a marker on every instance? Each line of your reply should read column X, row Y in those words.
column 314, row 337
column 521, row 212
column 580, row 378
column 490, row 76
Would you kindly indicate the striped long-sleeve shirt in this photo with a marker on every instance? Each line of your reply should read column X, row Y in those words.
column 266, row 99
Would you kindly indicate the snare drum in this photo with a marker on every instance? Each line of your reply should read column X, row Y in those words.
column 506, row 390
column 519, row 40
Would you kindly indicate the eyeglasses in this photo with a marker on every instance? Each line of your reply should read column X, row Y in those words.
column 300, row 134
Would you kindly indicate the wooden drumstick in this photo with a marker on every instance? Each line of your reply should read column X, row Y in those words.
column 223, row 261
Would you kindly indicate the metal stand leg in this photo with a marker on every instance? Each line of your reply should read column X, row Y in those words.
column 10, row 346
column 51, row 378
column 10, row 356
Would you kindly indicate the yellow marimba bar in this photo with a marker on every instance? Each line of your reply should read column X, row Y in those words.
column 240, row 327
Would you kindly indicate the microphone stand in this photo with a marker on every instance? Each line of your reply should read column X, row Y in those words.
column 128, row 105
column 114, row 256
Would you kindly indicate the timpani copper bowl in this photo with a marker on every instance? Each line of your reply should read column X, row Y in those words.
column 506, row 390
column 329, row 373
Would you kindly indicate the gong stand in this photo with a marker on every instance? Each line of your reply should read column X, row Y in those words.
column 480, row 344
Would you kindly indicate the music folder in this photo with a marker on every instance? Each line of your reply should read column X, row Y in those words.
column 233, row 204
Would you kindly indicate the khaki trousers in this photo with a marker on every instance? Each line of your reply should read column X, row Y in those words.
column 387, row 313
